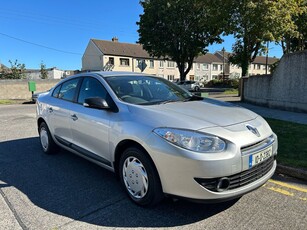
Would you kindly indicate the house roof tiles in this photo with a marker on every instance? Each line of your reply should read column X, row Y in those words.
column 121, row 49
column 207, row 58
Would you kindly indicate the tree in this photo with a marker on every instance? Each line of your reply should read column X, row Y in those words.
column 296, row 40
column 254, row 22
column 43, row 71
column 180, row 30
column 17, row 70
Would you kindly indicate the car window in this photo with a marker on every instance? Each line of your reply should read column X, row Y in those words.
column 56, row 91
column 68, row 89
column 146, row 90
column 91, row 87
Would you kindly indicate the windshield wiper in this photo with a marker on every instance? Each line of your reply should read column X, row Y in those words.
column 193, row 98
column 169, row 101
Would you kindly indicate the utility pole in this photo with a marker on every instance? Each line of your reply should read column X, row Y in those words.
column 223, row 50
column 267, row 58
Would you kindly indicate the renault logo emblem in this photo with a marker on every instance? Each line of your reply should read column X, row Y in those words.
column 253, row 130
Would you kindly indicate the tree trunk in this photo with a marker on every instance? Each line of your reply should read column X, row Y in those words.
column 245, row 60
column 181, row 71
column 245, row 66
column 182, row 76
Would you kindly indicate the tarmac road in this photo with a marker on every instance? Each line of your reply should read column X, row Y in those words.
column 64, row 191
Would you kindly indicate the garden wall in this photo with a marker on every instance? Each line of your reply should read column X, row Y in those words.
column 286, row 89
column 18, row 89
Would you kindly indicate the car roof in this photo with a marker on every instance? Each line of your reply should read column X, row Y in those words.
column 105, row 74
column 119, row 73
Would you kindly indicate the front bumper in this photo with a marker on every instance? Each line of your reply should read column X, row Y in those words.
column 181, row 171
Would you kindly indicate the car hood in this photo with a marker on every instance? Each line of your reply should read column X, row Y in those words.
column 194, row 114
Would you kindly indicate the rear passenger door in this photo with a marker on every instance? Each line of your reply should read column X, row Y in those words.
column 59, row 110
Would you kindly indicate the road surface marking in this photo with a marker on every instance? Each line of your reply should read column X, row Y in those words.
column 288, row 186
column 282, row 191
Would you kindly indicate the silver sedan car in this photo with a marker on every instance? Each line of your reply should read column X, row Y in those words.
column 158, row 138
column 190, row 85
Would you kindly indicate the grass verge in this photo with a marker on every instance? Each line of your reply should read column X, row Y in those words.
column 6, row 102
column 14, row 101
column 292, row 142
column 231, row 91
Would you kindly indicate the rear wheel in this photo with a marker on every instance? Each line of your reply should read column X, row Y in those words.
column 140, row 178
column 47, row 143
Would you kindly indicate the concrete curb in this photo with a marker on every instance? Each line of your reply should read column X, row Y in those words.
column 293, row 172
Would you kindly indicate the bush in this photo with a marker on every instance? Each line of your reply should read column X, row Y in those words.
column 229, row 83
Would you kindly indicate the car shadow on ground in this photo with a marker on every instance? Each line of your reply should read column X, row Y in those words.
column 67, row 185
column 28, row 102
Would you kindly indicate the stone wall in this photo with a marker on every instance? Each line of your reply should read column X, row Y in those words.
column 286, row 89
column 18, row 89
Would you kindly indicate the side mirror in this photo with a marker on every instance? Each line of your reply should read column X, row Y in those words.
column 96, row 103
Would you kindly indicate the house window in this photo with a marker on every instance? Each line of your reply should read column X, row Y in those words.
column 161, row 64
column 170, row 64
column 111, row 60
column 215, row 67
column 221, row 67
column 258, row 66
column 205, row 66
column 214, row 77
column 197, row 66
column 205, row 77
column 170, row 77
column 151, row 64
column 124, row 61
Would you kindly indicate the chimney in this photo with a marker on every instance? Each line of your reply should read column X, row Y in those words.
column 115, row 39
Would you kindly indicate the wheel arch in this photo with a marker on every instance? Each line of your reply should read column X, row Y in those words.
column 39, row 122
column 121, row 147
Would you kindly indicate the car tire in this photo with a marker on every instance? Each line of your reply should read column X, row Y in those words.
column 47, row 143
column 196, row 89
column 139, row 177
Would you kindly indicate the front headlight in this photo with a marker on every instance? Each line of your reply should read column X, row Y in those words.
column 191, row 140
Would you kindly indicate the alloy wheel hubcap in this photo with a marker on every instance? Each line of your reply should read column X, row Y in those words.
column 135, row 177
column 44, row 139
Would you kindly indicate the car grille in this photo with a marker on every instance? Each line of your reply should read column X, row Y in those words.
column 257, row 146
column 251, row 175
column 240, row 179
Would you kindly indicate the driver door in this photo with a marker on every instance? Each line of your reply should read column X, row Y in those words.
column 90, row 127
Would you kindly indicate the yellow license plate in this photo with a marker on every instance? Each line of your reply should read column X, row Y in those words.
column 261, row 156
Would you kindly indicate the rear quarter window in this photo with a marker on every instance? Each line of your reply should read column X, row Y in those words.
column 67, row 90
column 56, row 91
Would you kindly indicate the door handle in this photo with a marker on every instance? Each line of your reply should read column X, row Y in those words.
column 74, row 117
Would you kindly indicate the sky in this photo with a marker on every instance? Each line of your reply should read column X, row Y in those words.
column 56, row 32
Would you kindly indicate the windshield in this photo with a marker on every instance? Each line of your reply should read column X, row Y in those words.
column 146, row 90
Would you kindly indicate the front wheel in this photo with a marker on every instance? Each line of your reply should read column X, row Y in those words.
column 140, row 178
column 47, row 143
